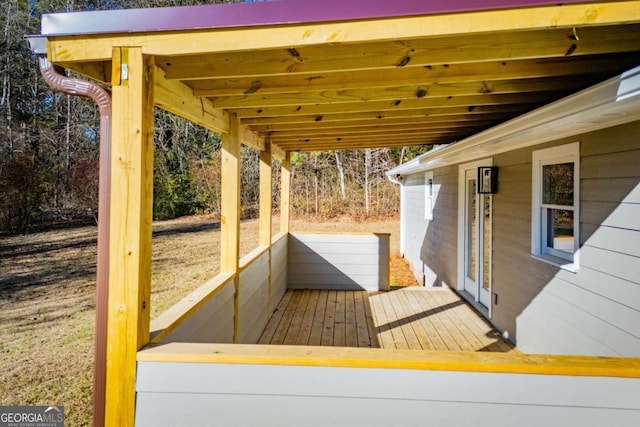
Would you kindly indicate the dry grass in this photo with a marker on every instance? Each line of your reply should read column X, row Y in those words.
column 47, row 300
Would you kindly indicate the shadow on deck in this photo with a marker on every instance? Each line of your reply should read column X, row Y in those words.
column 412, row 318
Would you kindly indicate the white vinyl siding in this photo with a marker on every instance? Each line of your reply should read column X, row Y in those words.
column 205, row 394
column 338, row 261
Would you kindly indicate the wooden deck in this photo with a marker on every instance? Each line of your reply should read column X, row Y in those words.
column 405, row 318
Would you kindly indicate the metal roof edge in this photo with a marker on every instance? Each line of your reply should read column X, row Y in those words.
column 610, row 103
column 260, row 13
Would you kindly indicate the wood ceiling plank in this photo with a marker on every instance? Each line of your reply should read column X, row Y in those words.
column 377, row 129
column 416, row 135
column 403, row 121
column 380, row 116
column 401, row 92
column 389, row 143
column 77, row 48
column 365, row 140
column 423, row 75
column 406, row 104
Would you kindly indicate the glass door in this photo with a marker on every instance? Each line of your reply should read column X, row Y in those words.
column 477, row 240
column 471, row 234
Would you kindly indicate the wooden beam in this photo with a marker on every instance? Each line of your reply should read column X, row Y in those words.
column 357, row 137
column 333, row 128
column 400, row 142
column 98, row 47
column 99, row 71
column 277, row 152
column 436, row 121
column 312, row 62
column 251, row 139
column 264, row 238
column 130, row 236
column 422, row 75
column 285, row 196
column 406, row 104
column 177, row 98
column 379, row 116
column 369, row 143
column 402, row 92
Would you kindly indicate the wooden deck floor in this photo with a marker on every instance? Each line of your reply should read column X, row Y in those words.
column 405, row 318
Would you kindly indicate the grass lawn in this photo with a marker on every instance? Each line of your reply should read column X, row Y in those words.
column 47, row 300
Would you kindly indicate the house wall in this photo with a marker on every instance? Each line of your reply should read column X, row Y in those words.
column 338, row 261
column 595, row 310
column 545, row 309
column 430, row 246
column 205, row 394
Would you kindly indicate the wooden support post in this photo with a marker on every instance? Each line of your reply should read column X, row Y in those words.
column 230, row 208
column 264, row 238
column 130, row 231
column 285, row 196
column 264, row 233
column 230, row 198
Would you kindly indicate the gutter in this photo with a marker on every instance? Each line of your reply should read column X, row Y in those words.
column 396, row 179
column 57, row 80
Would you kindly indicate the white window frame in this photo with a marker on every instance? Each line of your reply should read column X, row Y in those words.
column 568, row 153
column 429, row 195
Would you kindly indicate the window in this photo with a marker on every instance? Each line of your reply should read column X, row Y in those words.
column 554, row 236
column 428, row 195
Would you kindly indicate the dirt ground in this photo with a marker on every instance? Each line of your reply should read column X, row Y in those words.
column 47, row 300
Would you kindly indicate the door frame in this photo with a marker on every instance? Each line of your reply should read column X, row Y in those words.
column 462, row 168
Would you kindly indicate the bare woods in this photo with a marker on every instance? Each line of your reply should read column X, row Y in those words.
column 49, row 149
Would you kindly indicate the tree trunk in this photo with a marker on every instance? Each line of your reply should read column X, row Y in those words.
column 340, row 167
column 67, row 157
column 315, row 182
column 367, row 166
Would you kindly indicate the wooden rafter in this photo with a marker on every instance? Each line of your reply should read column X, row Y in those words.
column 393, row 93
column 413, row 53
column 406, row 104
column 380, row 119
column 403, row 76
column 353, row 84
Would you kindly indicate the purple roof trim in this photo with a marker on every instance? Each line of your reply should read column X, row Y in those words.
column 270, row 12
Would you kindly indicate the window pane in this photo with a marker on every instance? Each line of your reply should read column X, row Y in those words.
column 472, row 233
column 560, row 230
column 486, row 240
column 557, row 184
